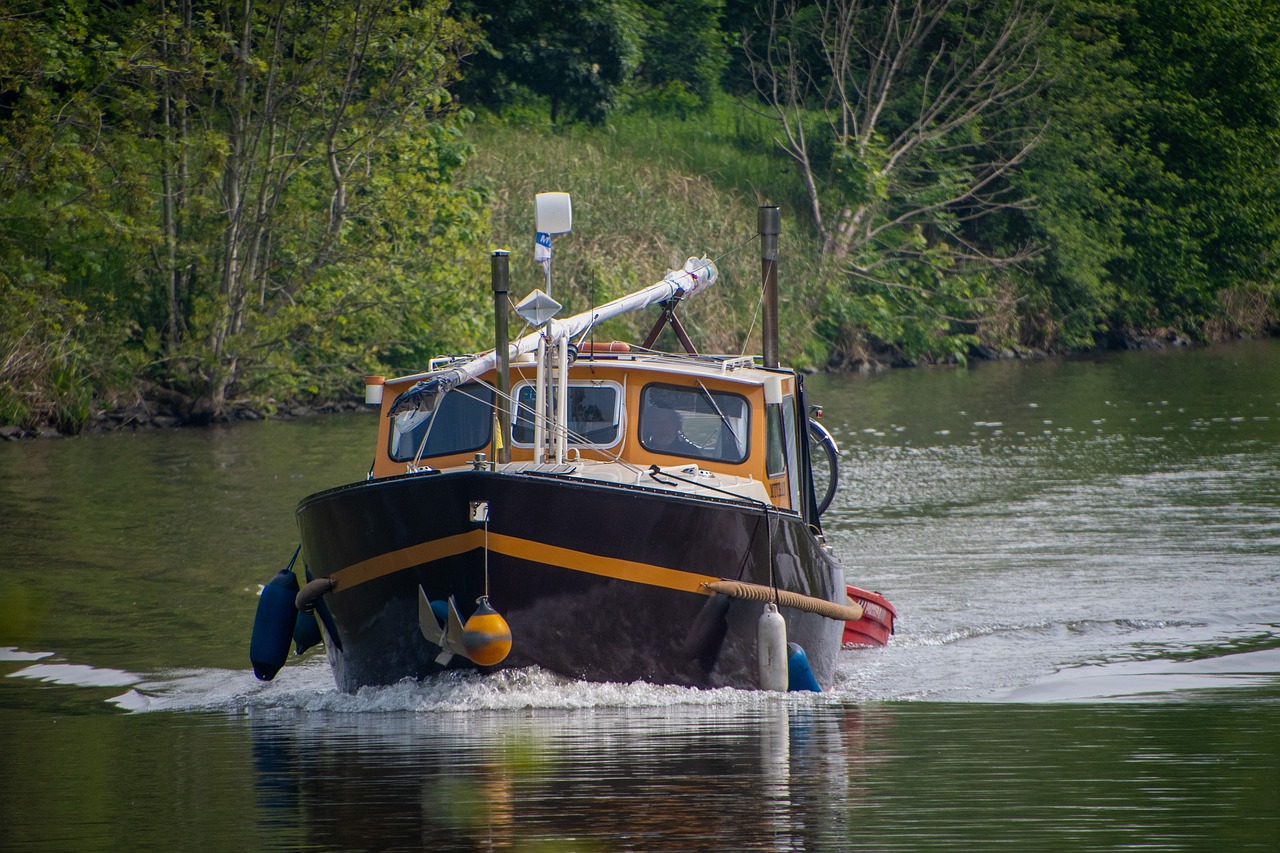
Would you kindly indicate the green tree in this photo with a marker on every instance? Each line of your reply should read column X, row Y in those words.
column 1079, row 176
column 303, row 108
column 894, row 117
column 63, row 219
column 684, row 53
column 1155, row 181
column 1210, row 73
column 578, row 54
column 258, row 196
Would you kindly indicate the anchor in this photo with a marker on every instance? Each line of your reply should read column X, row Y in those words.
column 485, row 638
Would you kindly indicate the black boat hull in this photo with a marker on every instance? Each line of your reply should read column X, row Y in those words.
column 597, row 581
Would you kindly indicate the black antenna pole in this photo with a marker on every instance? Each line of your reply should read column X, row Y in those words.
column 500, row 275
column 770, row 223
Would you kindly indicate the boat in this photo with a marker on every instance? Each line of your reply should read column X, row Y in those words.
column 876, row 625
column 601, row 510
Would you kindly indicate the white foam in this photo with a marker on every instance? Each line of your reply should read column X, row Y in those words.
column 309, row 687
column 11, row 653
column 77, row 675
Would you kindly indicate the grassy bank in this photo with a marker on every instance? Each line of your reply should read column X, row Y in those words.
column 647, row 193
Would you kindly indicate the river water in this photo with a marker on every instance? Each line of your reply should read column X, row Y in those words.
column 1085, row 556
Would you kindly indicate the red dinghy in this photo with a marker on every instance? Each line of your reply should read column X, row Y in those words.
column 876, row 624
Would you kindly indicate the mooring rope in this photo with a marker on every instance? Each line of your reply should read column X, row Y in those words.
column 850, row 612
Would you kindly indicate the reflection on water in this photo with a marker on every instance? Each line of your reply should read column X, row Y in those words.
column 773, row 778
column 670, row 779
column 1085, row 556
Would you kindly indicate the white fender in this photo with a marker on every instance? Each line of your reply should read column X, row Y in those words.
column 771, row 646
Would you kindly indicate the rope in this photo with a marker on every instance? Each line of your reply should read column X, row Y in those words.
column 850, row 612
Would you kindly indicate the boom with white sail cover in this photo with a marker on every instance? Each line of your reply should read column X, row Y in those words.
column 697, row 275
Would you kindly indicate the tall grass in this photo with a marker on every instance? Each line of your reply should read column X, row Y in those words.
column 648, row 192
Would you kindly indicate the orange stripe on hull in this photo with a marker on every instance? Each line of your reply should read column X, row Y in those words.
column 414, row 555
column 610, row 567
column 523, row 549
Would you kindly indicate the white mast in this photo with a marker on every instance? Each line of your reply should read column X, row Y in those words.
column 697, row 275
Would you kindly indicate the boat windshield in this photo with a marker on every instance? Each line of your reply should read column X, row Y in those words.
column 461, row 423
column 694, row 422
column 593, row 408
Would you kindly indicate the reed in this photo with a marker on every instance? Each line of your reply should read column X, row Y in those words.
column 50, row 361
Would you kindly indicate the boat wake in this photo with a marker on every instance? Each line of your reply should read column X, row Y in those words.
column 1121, row 659
column 309, row 687
column 1039, row 630
column 1156, row 679
column 1070, row 661
column 68, row 674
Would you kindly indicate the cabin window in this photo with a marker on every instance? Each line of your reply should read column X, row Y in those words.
column 461, row 423
column 694, row 422
column 775, row 442
column 792, row 448
column 594, row 413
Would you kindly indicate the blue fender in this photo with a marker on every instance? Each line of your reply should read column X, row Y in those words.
column 274, row 624
column 799, row 673
column 306, row 632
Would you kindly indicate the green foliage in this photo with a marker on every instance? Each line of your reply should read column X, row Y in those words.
column 250, row 211
column 922, row 310
column 906, row 150
column 1076, row 175
column 577, row 54
column 1211, row 74
column 67, row 226
column 398, row 290
column 253, row 197
column 1156, row 176
column 683, row 54
column 586, row 58
column 52, row 356
column 667, row 99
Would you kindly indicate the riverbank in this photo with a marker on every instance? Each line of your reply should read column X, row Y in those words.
column 154, row 415
column 159, row 411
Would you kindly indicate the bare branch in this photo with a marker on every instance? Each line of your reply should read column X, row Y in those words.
column 884, row 85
